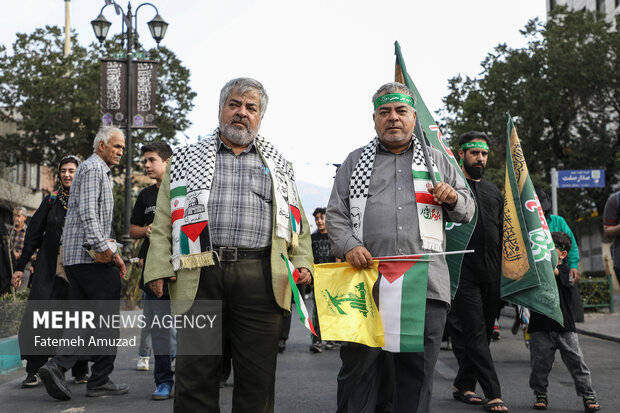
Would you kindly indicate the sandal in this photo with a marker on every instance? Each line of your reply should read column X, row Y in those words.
column 590, row 404
column 489, row 407
column 541, row 401
column 471, row 398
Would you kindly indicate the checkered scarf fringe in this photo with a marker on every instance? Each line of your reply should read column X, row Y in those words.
column 431, row 231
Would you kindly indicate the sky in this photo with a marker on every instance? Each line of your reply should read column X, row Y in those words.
column 319, row 60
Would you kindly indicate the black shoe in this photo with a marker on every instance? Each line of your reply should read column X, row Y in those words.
column 332, row 345
column 32, row 380
column 108, row 389
column 281, row 346
column 316, row 347
column 81, row 379
column 54, row 380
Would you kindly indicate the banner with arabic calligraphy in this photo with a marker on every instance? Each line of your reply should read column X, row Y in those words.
column 528, row 253
column 457, row 235
column 113, row 99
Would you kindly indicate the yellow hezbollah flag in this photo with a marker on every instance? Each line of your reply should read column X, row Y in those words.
column 346, row 309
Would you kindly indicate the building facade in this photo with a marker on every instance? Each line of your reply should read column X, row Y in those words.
column 610, row 8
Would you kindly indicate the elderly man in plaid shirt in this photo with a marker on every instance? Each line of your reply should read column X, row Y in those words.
column 88, row 226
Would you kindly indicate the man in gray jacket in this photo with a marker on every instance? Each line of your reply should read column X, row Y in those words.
column 384, row 203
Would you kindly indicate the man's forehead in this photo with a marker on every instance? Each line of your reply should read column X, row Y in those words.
column 250, row 95
column 118, row 138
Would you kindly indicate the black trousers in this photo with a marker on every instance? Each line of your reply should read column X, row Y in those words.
column 252, row 320
column 470, row 325
column 101, row 282
column 367, row 373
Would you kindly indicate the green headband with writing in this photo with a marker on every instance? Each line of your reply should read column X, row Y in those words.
column 479, row 145
column 394, row 97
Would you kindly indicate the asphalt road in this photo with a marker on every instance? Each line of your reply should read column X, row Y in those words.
column 307, row 382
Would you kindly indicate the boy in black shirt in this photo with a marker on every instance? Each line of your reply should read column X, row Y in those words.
column 548, row 335
column 321, row 251
column 156, row 156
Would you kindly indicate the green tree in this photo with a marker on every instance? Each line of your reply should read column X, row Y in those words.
column 55, row 99
column 563, row 91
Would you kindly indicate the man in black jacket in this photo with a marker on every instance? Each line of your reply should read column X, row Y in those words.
column 471, row 319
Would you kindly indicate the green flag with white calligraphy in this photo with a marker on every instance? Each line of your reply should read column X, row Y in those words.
column 528, row 253
column 457, row 235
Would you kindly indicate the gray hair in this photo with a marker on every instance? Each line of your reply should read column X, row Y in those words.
column 20, row 209
column 104, row 135
column 244, row 85
column 393, row 87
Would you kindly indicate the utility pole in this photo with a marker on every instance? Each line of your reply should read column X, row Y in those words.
column 67, row 27
column 554, row 191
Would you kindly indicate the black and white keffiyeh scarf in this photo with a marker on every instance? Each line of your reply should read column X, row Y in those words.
column 191, row 176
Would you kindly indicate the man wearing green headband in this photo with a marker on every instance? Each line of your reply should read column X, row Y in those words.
column 384, row 203
column 475, row 305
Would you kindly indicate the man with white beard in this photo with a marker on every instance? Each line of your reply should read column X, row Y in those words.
column 227, row 209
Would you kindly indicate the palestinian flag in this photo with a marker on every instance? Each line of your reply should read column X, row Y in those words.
column 190, row 229
column 295, row 219
column 400, row 295
column 528, row 253
column 293, row 276
column 383, row 306
column 457, row 235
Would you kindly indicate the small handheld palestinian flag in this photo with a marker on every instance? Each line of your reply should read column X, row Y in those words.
column 293, row 276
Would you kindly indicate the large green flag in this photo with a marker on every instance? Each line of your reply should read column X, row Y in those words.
column 528, row 253
column 457, row 235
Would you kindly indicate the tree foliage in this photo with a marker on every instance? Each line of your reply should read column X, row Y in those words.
column 55, row 99
column 562, row 90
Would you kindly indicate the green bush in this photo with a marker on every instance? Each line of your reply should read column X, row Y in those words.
column 11, row 312
column 594, row 288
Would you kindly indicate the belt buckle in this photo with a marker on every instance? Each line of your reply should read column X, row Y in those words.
column 228, row 254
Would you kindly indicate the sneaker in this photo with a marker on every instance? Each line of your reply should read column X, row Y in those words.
column 331, row 345
column 143, row 364
column 163, row 392
column 281, row 345
column 32, row 380
column 81, row 379
column 54, row 380
column 316, row 347
column 108, row 389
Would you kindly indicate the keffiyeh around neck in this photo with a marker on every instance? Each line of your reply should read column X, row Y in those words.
column 191, row 176
column 430, row 213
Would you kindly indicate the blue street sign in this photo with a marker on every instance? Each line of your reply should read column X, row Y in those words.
column 581, row 178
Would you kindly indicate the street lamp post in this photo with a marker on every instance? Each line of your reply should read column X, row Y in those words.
column 157, row 27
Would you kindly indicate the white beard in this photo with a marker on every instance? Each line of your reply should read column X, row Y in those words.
column 241, row 137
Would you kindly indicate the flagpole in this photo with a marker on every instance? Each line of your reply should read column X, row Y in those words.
column 427, row 158
column 395, row 257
